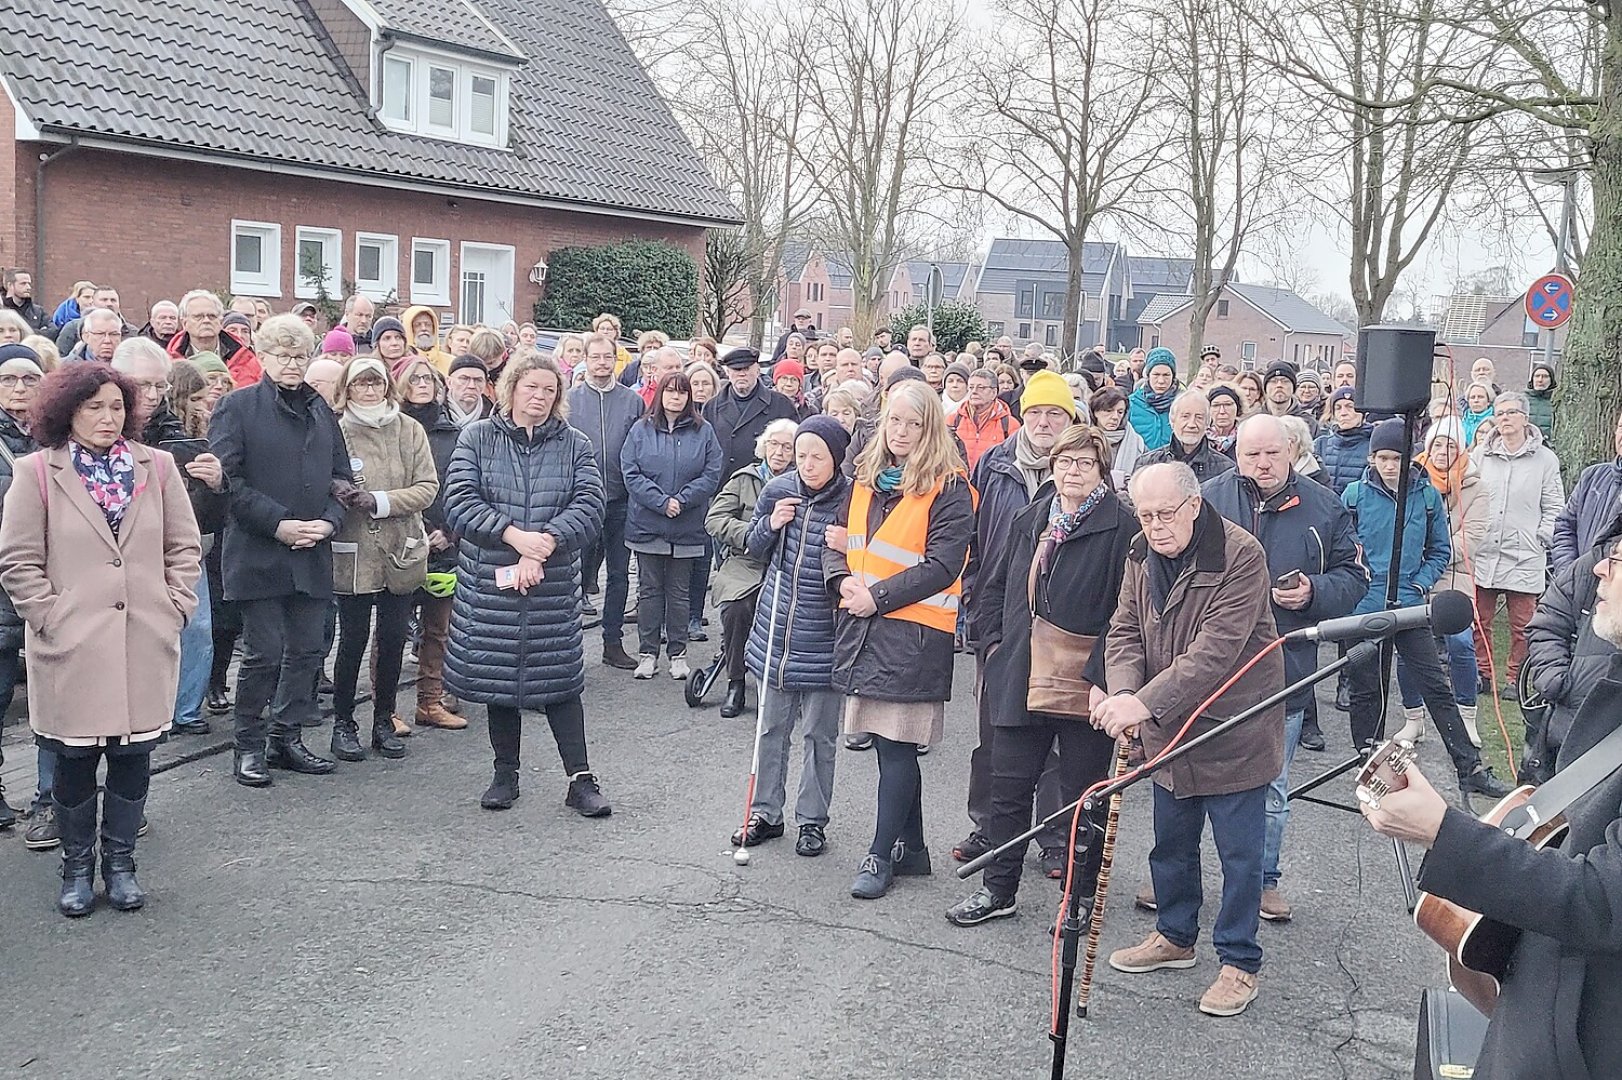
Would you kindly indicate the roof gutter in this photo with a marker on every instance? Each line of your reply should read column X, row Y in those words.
column 71, row 147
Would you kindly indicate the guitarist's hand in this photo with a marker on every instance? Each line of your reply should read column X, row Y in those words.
column 1413, row 814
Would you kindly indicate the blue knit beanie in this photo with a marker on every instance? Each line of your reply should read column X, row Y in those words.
column 1159, row 356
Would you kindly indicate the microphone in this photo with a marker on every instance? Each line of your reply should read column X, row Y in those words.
column 1448, row 613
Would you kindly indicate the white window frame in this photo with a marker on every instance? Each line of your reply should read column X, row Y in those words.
column 332, row 242
column 440, row 295
column 406, row 122
column 388, row 267
column 268, row 282
column 422, row 61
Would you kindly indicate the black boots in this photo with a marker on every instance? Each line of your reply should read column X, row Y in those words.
column 385, row 741
column 733, row 705
column 78, row 828
column 289, row 752
column 585, row 797
column 503, row 791
column 248, row 768
column 346, row 741
column 120, row 818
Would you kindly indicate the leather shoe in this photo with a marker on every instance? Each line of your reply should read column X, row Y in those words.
column 191, row 727
column 384, row 739
column 615, row 656
column 217, row 701
column 346, row 741
column 435, row 715
column 289, row 752
column 248, row 768
column 1312, row 739
column 812, row 841
column 733, row 705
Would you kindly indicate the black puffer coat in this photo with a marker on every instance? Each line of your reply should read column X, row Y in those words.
column 506, row 647
column 442, row 435
column 1565, row 659
column 17, row 443
column 1078, row 594
column 801, row 623
column 896, row 659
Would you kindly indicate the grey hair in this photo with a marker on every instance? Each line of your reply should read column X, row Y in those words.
column 1298, row 434
column 287, row 333
column 138, row 348
column 772, row 429
column 201, row 294
column 16, row 322
column 1188, row 485
column 163, row 304
column 1192, row 395
column 95, row 315
column 1511, row 397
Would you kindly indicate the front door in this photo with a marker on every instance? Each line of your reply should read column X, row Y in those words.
column 487, row 285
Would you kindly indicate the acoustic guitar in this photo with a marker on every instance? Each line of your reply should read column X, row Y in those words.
column 1478, row 948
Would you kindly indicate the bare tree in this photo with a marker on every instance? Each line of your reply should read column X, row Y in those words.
column 1060, row 140
column 875, row 73
column 724, row 299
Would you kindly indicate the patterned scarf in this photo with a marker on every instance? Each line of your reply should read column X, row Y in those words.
column 1061, row 526
column 888, row 479
column 109, row 478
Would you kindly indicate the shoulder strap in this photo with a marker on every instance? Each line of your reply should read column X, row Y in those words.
column 5, row 452
column 1568, row 785
column 1006, row 419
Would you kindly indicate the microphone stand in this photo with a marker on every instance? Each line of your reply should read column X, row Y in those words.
column 1089, row 851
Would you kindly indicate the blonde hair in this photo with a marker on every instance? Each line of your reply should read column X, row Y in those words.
column 49, row 355
column 286, row 332
column 521, row 364
column 649, row 340
column 933, row 461
column 487, row 345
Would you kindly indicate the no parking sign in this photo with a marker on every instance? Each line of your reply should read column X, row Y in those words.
column 1548, row 301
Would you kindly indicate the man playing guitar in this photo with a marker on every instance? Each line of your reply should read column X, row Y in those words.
column 1558, row 1008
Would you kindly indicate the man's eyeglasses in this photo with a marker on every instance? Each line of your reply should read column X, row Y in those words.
column 11, row 382
column 1163, row 517
column 152, row 387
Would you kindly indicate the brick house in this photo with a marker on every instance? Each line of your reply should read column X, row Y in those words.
column 822, row 283
column 435, row 155
column 1252, row 325
column 1498, row 328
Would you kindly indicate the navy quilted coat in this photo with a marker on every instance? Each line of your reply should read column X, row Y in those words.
column 1343, row 454
column 505, row 647
column 801, row 621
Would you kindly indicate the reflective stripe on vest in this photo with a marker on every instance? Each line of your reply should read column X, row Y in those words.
column 897, row 546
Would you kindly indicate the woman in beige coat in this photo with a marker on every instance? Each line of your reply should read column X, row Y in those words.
column 380, row 555
column 99, row 551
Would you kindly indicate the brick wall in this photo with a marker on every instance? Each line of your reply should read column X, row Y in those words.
column 9, row 242
column 1243, row 324
column 161, row 227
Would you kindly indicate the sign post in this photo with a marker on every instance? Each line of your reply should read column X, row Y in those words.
column 934, row 287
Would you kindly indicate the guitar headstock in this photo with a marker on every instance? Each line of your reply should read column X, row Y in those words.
column 1384, row 772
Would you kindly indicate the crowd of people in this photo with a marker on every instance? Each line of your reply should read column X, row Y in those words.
column 1110, row 544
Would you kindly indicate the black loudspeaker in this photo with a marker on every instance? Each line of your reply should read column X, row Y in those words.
column 1394, row 368
column 1450, row 1036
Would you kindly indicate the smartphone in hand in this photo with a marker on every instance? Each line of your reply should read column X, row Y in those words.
column 506, row 577
column 1288, row 581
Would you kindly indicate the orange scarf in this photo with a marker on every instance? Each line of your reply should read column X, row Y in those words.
column 1449, row 482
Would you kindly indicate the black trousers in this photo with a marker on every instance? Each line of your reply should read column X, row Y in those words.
column 737, row 616
column 129, row 775
column 227, row 619
column 1019, row 756
column 283, row 642
column 1417, row 647
column 354, row 630
column 568, row 720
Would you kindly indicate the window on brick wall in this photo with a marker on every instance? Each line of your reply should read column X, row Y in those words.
column 320, row 263
column 256, row 259
column 1222, row 309
column 431, row 272
column 377, row 264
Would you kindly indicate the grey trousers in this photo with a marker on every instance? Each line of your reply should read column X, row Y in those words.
column 662, row 603
column 1048, row 800
column 817, row 713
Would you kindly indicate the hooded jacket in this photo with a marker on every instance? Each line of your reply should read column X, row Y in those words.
column 1594, row 504
column 1426, row 548
column 1527, row 497
column 1003, row 494
column 1152, row 425
column 1344, row 454
column 239, row 358
column 1540, row 403
column 1565, row 659
column 981, row 434
column 432, row 352
column 799, row 620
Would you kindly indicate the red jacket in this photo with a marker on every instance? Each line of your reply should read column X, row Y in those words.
column 239, row 358
column 980, row 436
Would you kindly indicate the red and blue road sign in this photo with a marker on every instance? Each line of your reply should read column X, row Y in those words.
column 1548, row 301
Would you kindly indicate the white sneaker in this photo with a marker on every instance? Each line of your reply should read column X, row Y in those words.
column 679, row 669
column 645, row 666
column 1414, row 728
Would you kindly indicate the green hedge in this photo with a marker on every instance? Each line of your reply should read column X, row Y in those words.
column 650, row 285
column 956, row 324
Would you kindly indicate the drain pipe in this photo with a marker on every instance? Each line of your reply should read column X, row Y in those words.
column 39, row 209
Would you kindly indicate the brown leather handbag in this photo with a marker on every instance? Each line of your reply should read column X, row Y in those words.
column 1058, row 657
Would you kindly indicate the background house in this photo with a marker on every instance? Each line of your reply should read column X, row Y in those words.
column 1497, row 327
column 1252, row 325
column 432, row 154
column 822, row 283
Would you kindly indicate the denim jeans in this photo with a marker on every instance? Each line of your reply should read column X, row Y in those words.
column 196, row 658
column 817, row 714
column 698, row 586
column 1461, row 669
column 1278, row 799
column 1239, row 827
column 618, row 557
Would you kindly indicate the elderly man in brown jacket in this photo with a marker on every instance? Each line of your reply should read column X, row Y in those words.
column 1194, row 610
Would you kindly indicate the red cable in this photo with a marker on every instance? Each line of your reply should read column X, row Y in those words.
column 1130, row 775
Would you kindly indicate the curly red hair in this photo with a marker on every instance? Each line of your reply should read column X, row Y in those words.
column 50, row 421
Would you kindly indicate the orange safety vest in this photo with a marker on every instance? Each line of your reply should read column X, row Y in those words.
column 898, row 546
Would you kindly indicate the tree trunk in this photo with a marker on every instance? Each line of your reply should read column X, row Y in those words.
column 1075, row 302
column 1196, row 338
column 1590, row 389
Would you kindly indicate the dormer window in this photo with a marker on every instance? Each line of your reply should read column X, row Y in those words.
column 444, row 97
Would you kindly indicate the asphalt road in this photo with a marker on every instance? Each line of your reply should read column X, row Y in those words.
column 378, row 923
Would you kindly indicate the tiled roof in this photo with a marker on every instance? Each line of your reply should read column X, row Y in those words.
column 1294, row 312
column 952, row 275
column 587, row 125
column 453, row 23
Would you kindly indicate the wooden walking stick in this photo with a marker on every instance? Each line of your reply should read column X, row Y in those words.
column 1096, row 922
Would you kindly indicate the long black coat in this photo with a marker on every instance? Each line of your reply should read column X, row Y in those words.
column 281, row 451
column 1565, row 659
column 896, row 659
column 506, row 647
column 442, row 435
column 1003, row 494
column 740, row 420
column 1556, row 1016
column 1078, row 593
column 17, row 443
